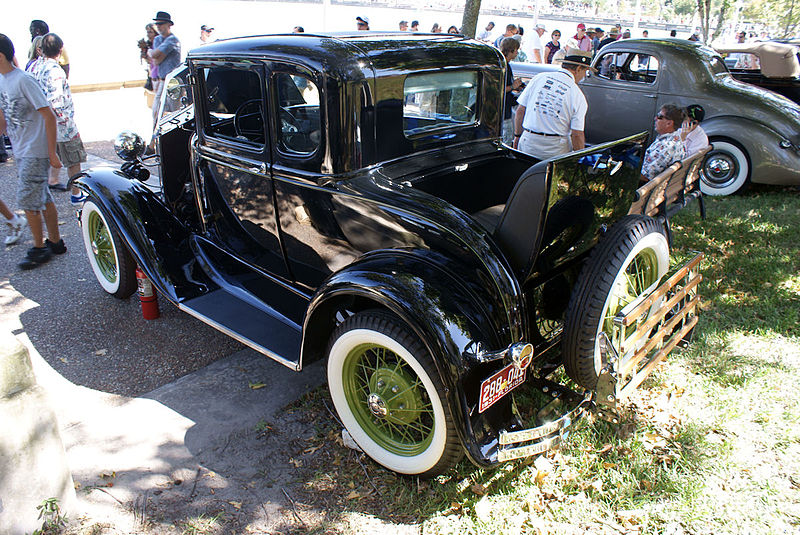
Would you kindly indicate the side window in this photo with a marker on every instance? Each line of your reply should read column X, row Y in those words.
column 629, row 67
column 610, row 65
column 299, row 126
column 643, row 68
column 439, row 100
column 234, row 105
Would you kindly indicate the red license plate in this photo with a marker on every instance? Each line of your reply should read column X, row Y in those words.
column 498, row 385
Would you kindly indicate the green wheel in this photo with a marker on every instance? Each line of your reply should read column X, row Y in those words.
column 384, row 387
column 111, row 262
column 627, row 263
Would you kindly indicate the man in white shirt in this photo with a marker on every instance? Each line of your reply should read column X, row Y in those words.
column 552, row 110
column 534, row 47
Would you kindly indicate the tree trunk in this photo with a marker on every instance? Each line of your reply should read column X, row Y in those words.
column 470, row 21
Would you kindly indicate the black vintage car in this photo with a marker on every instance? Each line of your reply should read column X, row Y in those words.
column 347, row 198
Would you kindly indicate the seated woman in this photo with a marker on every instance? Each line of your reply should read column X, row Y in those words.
column 694, row 138
column 668, row 146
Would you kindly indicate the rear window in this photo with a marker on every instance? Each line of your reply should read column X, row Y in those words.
column 443, row 100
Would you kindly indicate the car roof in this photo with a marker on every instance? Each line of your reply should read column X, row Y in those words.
column 664, row 44
column 778, row 60
column 346, row 52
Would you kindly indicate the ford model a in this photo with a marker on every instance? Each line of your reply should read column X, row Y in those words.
column 347, row 198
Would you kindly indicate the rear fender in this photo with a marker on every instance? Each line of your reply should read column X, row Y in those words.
column 158, row 241
column 452, row 323
column 769, row 162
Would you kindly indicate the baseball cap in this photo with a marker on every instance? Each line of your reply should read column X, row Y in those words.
column 207, row 28
column 365, row 20
column 581, row 26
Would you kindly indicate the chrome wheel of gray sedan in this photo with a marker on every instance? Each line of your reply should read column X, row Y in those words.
column 725, row 169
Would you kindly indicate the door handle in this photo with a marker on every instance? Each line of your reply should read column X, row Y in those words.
column 651, row 96
column 259, row 169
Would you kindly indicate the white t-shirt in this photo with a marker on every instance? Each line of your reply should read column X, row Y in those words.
column 534, row 42
column 20, row 98
column 695, row 141
column 554, row 104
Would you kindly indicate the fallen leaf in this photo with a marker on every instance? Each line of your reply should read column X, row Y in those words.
column 539, row 479
column 296, row 462
column 101, row 352
column 483, row 509
column 312, row 449
column 237, row 505
column 543, row 464
column 605, row 449
column 62, row 359
column 256, row 386
column 478, row 489
column 353, row 494
column 646, row 484
column 106, row 475
column 608, row 466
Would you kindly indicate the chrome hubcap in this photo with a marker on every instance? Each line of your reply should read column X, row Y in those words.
column 95, row 249
column 377, row 406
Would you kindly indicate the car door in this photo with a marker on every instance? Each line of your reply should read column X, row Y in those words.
column 238, row 197
column 622, row 95
column 307, row 202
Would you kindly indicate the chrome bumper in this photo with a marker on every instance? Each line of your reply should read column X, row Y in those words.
column 543, row 437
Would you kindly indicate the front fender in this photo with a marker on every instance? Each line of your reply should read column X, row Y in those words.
column 447, row 318
column 770, row 163
column 158, row 241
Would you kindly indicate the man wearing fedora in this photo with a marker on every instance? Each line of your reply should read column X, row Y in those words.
column 166, row 54
column 551, row 111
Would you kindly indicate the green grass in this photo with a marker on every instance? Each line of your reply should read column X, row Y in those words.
column 709, row 444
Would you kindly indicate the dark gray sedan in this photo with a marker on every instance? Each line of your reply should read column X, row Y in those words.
column 755, row 133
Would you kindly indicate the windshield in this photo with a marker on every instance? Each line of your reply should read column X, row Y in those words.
column 177, row 93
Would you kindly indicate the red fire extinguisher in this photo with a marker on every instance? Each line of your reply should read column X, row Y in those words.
column 147, row 296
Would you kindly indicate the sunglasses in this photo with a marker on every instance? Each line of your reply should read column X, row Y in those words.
column 661, row 117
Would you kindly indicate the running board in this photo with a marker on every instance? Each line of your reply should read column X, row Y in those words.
column 273, row 336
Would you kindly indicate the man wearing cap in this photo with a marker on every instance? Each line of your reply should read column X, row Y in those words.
column 205, row 34
column 599, row 34
column 580, row 40
column 166, row 54
column 362, row 23
column 552, row 110
column 403, row 26
column 534, row 47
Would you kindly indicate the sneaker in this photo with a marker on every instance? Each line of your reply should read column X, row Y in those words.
column 56, row 248
column 16, row 226
column 36, row 256
column 78, row 200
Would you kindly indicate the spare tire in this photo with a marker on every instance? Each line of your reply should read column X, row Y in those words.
column 629, row 261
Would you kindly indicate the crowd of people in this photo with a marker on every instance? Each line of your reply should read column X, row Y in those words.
column 37, row 113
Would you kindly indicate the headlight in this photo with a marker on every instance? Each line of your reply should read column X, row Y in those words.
column 129, row 145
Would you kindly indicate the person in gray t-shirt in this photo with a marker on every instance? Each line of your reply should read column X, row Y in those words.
column 31, row 125
column 166, row 53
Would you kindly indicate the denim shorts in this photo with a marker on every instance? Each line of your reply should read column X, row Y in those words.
column 33, row 193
